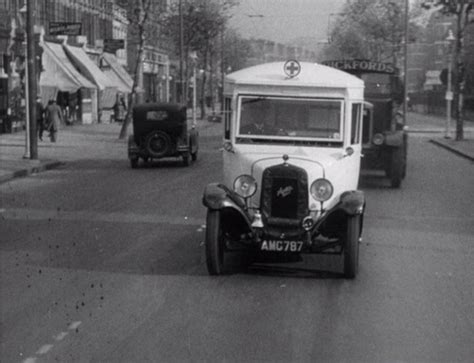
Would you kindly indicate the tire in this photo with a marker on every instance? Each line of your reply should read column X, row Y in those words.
column 134, row 162
column 215, row 243
column 194, row 156
column 185, row 159
column 351, row 247
column 157, row 144
column 397, row 162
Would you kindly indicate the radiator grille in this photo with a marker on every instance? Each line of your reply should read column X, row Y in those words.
column 284, row 194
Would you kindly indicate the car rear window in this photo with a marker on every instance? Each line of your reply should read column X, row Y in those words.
column 156, row 115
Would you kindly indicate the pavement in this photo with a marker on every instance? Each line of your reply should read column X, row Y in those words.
column 435, row 127
column 97, row 140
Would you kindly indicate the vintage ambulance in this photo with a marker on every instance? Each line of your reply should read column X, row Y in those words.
column 292, row 153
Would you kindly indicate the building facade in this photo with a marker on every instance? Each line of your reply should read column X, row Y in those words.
column 263, row 51
column 429, row 56
column 80, row 71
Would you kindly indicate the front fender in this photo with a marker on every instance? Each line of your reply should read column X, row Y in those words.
column 394, row 138
column 352, row 202
column 219, row 197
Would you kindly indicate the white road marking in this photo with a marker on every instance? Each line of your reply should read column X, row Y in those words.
column 74, row 325
column 30, row 360
column 44, row 349
column 61, row 336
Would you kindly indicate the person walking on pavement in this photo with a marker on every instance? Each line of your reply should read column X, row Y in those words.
column 120, row 109
column 54, row 117
column 40, row 117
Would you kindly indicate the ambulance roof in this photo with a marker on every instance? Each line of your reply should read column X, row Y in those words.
column 311, row 75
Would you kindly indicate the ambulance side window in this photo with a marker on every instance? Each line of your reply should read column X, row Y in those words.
column 356, row 123
column 227, row 117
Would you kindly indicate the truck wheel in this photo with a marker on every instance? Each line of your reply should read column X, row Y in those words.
column 351, row 247
column 194, row 155
column 396, row 167
column 134, row 162
column 214, row 243
column 157, row 144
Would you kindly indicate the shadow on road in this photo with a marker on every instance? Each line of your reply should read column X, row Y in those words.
column 374, row 181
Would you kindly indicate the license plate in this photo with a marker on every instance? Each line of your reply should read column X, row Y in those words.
column 281, row 246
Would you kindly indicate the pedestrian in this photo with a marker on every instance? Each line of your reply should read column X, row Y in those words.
column 119, row 109
column 54, row 117
column 39, row 118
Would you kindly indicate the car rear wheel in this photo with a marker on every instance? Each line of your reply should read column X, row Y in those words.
column 351, row 247
column 134, row 162
column 215, row 243
column 157, row 144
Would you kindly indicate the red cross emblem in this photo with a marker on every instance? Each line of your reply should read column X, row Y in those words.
column 292, row 68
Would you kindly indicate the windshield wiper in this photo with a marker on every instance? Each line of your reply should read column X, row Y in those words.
column 253, row 100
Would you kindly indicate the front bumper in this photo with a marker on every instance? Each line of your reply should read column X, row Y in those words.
column 241, row 223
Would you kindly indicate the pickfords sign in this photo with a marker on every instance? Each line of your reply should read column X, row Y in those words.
column 357, row 65
column 63, row 28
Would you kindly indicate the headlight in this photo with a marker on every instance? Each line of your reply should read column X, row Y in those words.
column 321, row 190
column 378, row 139
column 245, row 186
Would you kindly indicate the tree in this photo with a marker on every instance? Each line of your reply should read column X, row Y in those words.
column 372, row 29
column 461, row 10
column 143, row 18
column 203, row 23
column 236, row 52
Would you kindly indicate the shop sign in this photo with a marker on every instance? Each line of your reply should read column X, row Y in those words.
column 112, row 45
column 361, row 66
column 64, row 28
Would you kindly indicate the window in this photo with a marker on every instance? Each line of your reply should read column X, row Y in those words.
column 156, row 115
column 356, row 122
column 377, row 83
column 285, row 117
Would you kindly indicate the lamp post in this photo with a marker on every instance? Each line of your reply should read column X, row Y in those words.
column 181, row 93
column 31, row 140
column 449, row 93
column 193, row 56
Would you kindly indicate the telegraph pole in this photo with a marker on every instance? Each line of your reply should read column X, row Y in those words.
column 31, row 84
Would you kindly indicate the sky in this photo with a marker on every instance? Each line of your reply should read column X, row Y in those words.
column 285, row 20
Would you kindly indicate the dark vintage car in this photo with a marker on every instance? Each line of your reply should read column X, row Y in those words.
column 162, row 130
column 384, row 139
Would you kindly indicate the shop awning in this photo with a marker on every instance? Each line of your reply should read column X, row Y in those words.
column 114, row 70
column 107, row 87
column 59, row 73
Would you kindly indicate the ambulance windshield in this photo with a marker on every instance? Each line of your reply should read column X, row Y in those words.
column 290, row 118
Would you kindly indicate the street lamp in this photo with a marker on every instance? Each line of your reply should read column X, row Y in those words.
column 449, row 94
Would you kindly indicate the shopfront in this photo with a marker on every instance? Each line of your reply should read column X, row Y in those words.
column 62, row 82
